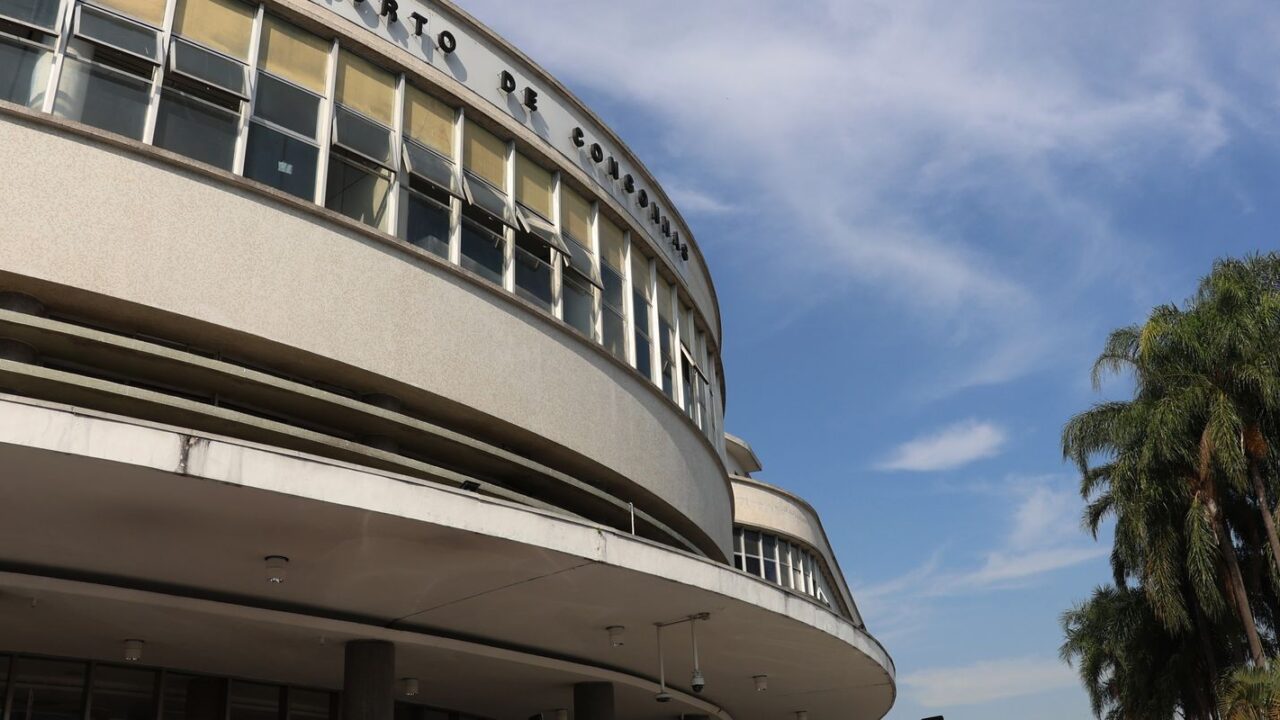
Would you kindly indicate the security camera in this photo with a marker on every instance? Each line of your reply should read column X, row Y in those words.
column 663, row 696
column 698, row 682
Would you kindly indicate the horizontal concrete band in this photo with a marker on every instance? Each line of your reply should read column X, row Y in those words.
column 140, row 242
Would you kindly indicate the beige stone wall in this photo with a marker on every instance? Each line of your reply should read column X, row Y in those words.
column 125, row 226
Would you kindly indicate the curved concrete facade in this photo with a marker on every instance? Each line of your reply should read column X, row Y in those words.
column 176, row 243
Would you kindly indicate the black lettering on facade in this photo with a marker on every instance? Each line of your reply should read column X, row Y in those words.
column 579, row 137
column 531, row 99
column 418, row 22
column 389, row 8
column 613, row 168
column 643, row 199
column 507, row 82
column 447, row 42
column 628, row 184
column 597, row 153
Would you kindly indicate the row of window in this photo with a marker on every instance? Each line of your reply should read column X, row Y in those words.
column 779, row 561
column 227, row 84
column 40, row 688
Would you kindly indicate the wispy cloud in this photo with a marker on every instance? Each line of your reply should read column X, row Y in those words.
column 1043, row 537
column 878, row 131
column 952, row 447
column 986, row 681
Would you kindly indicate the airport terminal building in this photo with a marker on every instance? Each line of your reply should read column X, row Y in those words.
column 352, row 369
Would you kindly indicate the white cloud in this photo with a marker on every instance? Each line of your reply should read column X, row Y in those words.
column 879, row 129
column 988, row 680
column 953, row 446
column 1043, row 537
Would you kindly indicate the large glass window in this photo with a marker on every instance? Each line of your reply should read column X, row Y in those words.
column 779, row 561
column 359, row 190
column 191, row 697
column 310, row 705
column 428, row 220
column 482, row 244
column 533, row 269
column 35, row 13
column 225, row 26
column 101, row 95
column 121, row 693
column 666, row 338
column 253, row 701
column 197, row 128
column 281, row 160
column 48, row 689
column 613, row 289
column 282, row 149
column 24, row 71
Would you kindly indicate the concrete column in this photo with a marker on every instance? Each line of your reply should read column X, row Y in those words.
column 369, row 680
column 593, row 701
column 206, row 699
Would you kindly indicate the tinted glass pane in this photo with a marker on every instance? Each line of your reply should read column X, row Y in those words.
column 194, row 698
column 753, row 565
column 357, row 192
column 612, row 283
column 309, row 704
column 771, row 570
column 737, row 561
column 118, row 33
column 491, row 200
column 48, row 690
column 281, row 161
column 253, row 701
column 102, row 97
column 24, row 73
column 428, row 224
column 615, row 334
column 122, row 694
column 362, row 136
column 533, row 272
column 42, row 13
column 737, row 540
column 644, row 363
column 4, row 677
column 430, row 166
column 579, row 305
column 752, row 539
column 580, row 258
column 286, row 105
column 481, row 251
column 196, row 129
column 209, row 67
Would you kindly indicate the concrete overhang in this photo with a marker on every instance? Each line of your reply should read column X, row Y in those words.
column 130, row 529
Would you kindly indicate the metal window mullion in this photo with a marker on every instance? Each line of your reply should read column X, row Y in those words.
column 328, row 110
column 597, row 294
column 86, row 699
column 677, row 351
column 508, row 233
column 395, row 222
column 66, row 21
column 455, row 204
column 247, row 108
column 557, row 268
column 628, row 302
column 655, row 342
column 157, row 74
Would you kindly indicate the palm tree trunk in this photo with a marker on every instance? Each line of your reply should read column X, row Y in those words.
column 1236, row 586
column 1268, row 520
column 1210, row 662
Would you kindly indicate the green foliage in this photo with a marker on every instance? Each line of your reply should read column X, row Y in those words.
column 1186, row 472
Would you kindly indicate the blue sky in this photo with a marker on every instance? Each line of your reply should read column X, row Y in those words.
column 922, row 219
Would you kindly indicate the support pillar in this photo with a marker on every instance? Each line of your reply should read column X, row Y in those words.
column 593, row 701
column 369, row 680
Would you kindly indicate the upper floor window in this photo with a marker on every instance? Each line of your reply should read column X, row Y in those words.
column 488, row 212
column 283, row 148
column 433, row 177
column 361, row 160
column 613, row 252
column 780, row 561
column 206, row 87
column 666, row 337
column 28, row 32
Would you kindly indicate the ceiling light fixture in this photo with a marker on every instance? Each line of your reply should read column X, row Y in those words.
column 133, row 650
column 409, row 686
column 617, row 635
column 762, row 682
column 697, row 682
column 277, row 568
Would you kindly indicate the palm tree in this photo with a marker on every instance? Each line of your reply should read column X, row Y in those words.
column 1250, row 693
column 1131, row 665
